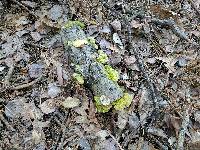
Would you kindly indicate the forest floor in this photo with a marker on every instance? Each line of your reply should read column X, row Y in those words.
column 155, row 47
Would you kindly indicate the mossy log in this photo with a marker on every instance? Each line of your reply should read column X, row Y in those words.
column 83, row 59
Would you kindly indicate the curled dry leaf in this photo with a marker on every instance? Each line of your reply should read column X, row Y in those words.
column 53, row 90
column 117, row 40
column 36, row 36
column 55, row 12
column 136, row 24
column 116, row 24
column 48, row 106
column 70, row 102
column 35, row 70
column 129, row 60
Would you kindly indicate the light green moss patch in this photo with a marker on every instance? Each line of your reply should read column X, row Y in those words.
column 102, row 108
column 92, row 42
column 78, row 78
column 102, row 58
column 111, row 73
column 70, row 24
column 82, row 42
column 123, row 102
column 77, row 43
column 102, row 103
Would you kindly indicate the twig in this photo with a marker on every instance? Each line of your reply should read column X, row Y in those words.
column 140, row 64
column 181, row 136
column 23, row 6
column 120, row 147
column 195, row 8
column 19, row 87
column 64, row 131
column 170, row 23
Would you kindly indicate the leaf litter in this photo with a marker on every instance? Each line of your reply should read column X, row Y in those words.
column 154, row 49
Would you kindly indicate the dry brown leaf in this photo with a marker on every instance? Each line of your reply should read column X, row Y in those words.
column 70, row 102
column 48, row 106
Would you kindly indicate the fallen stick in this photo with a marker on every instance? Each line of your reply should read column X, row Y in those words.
column 181, row 136
column 19, row 87
column 116, row 141
column 175, row 29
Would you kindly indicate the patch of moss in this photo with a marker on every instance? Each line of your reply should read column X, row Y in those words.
column 78, row 78
column 92, row 42
column 102, row 108
column 111, row 73
column 102, row 58
column 70, row 24
column 102, row 103
column 77, row 43
column 82, row 42
column 123, row 102
column 102, row 100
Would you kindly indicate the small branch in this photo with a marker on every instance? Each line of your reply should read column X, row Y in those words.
column 181, row 136
column 24, row 7
column 175, row 29
column 140, row 64
column 119, row 146
column 19, row 87
column 64, row 130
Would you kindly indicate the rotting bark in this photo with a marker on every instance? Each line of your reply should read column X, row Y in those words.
column 92, row 71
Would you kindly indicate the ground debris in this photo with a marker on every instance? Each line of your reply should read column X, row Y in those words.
column 54, row 75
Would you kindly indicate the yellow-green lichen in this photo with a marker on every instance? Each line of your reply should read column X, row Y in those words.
column 102, row 58
column 102, row 103
column 103, row 108
column 70, row 24
column 92, row 42
column 82, row 42
column 111, row 73
column 123, row 102
column 78, row 78
column 77, row 43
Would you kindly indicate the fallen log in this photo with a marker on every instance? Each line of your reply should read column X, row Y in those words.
column 91, row 68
